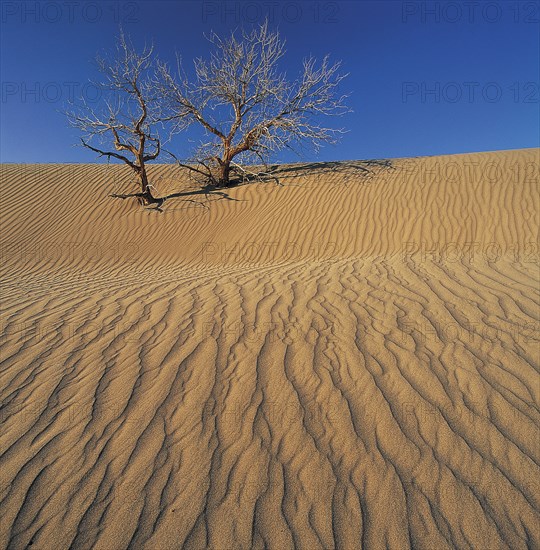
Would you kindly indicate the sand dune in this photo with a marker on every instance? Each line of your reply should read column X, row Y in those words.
column 347, row 359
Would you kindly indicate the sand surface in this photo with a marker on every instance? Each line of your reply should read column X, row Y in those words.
column 349, row 359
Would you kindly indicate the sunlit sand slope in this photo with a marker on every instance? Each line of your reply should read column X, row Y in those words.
column 346, row 359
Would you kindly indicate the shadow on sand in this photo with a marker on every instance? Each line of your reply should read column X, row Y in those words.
column 262, row 174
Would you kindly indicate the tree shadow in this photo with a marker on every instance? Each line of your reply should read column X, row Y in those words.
column 359, row 166
column 208, row 191
column 277, row 172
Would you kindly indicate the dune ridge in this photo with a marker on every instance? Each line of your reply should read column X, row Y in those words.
column 347, row 359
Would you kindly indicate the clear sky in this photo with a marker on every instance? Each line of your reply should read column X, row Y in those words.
column 426, row 78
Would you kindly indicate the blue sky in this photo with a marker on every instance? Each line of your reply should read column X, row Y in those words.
column 426, row 78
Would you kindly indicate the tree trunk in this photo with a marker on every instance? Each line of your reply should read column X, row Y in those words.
column 147, row 196
column 224, row 173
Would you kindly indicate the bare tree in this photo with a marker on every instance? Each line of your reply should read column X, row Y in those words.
column 127, row 115
column 247, row 108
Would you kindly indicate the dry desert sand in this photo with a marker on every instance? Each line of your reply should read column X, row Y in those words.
column 347, row 360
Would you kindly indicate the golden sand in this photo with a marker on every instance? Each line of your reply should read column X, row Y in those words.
column 348, row 359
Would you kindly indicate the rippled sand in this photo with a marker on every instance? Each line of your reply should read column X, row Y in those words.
column 347, row 359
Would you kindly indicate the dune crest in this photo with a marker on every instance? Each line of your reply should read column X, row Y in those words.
column 349, row 358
